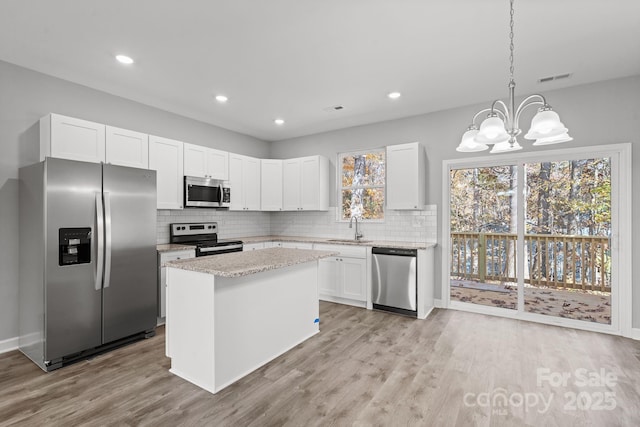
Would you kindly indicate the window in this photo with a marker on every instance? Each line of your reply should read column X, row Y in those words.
column 361, row 183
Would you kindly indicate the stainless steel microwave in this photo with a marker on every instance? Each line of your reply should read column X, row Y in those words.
column 206, row 193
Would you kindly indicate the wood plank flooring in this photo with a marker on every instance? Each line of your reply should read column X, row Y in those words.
column 363, row 368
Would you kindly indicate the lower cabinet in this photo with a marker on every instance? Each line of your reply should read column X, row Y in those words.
column 162, row 276
column 296, row 245
column 343, row 278
column 252, row 246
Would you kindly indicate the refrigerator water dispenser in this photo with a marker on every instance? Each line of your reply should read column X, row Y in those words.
column 74, row 246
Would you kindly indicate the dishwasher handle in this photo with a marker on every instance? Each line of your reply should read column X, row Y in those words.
column 394, row 251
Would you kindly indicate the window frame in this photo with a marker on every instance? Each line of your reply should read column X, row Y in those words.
column 340, row 188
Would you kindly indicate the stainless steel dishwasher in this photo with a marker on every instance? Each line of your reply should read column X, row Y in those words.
column 394, row 280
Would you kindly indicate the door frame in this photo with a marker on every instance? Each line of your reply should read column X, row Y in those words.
column 621, row 209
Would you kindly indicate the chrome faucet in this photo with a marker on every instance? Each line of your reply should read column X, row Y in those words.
column 358, row 235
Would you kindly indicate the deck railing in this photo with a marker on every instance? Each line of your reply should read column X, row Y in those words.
column 555, row 261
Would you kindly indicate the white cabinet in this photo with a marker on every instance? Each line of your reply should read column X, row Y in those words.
column 306, row 184
column 343, row 278
column 164, row 257
column 126, row 148
column 71, row 138
column 218, row 164
column 291, row 185
column 296, row 245
column 165, row 157
column 205, row 162
column 76, row 139
column 271, row 185
column 164, row 307
column 406, row 176
column 252, row 246
column 244, row 179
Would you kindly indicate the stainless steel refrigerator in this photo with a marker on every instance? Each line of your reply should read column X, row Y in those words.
column 88, row 266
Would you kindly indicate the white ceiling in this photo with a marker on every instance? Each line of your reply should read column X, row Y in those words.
column 294, row 58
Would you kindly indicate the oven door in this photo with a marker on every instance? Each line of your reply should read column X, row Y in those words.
column 204, row 193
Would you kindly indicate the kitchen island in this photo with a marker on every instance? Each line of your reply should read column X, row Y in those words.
column 229, row 314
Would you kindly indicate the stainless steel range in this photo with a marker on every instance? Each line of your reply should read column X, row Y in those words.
column 204, row 235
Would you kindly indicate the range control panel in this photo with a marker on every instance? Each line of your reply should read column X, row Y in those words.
column 194, row 229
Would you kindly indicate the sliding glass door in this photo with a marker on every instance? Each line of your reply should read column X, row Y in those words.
column 532, row 237
column 567, row 234
column 483, row 236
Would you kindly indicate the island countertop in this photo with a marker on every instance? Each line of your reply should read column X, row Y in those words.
column 237, row 264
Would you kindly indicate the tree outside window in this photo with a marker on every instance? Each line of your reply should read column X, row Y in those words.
column 362, row 184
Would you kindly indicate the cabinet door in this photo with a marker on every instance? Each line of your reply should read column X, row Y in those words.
column 353, row 274
column 403, row 177
column 297, row 245
column 126, row 148
column 291, row 185
column 217, row 164
column 195, row 160
column 165, row 157
column 251, row 183
column 271, row 185
column 309, row 183
column 235, row 181
column 328, row 277
column 74, row 139
column 252, row 246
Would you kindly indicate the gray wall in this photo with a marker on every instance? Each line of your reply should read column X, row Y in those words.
column 602, row 113
column 25, row 96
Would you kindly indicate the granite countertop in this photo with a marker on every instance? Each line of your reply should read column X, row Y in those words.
column 332, row 241
column 173, row 247
column 237, row 264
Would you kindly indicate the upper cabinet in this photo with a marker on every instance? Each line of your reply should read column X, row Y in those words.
column 76, row 139
column 271, row 185
column 70, row 138
column 405, row 176
column 244, row 179
column 205, row 162
column 165, row 157
column 126, row 148
column 306, row 184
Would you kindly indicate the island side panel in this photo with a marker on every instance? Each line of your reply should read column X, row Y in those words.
column 190, row 326
column 261, row 316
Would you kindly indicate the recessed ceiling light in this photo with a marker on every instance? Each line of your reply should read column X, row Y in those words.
column 394, row 95
column 124, row 59
column 279, row 122
column 221, row 98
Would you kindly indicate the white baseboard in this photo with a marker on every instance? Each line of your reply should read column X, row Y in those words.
column 635, row 334
column 437, row 303
column 8, row 345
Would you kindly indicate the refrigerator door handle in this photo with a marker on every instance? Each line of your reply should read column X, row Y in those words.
column 107, row 239
column 99, row 235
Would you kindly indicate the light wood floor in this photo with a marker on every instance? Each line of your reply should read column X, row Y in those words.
column 364, row 368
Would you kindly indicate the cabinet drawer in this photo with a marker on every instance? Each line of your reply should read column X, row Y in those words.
column 345, row 250
column 172, row 256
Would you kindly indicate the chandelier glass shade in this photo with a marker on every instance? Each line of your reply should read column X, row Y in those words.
column 501, row 128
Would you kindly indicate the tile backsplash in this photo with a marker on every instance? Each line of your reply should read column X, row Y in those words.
column 406, row 226
column 230, row 223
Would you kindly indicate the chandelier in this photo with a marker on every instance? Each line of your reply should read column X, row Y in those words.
column 501, row 128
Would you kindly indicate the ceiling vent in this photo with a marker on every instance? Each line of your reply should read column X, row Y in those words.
column 333, row 108
column 553, row 78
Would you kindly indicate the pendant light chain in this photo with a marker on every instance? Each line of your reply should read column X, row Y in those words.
column 511, row 47
column 501, row 127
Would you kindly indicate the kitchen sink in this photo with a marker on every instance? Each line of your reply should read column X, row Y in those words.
column 347, row 241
